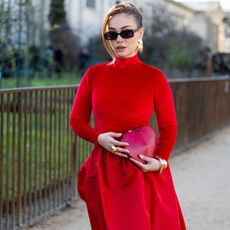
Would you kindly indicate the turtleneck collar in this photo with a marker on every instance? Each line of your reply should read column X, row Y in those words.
column 129, row 62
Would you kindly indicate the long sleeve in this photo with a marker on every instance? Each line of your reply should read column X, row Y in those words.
column 122, row 95
column 166, row 119
column 81, row 112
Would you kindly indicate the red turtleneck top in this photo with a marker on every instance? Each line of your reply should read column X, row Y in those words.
column 122, row 95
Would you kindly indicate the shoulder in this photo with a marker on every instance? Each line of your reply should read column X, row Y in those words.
column 98, row 67
column 154, row 72
column 94, row 71
column 152, row 69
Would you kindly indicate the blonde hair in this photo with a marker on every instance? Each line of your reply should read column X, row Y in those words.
column 123, row 7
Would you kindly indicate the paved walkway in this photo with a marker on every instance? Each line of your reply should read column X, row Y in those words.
column 202, row 180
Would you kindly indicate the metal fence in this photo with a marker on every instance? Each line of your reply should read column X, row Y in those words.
column 40, row 156
column 202, row 106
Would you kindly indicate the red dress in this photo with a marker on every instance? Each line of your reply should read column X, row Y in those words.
column 122, row 95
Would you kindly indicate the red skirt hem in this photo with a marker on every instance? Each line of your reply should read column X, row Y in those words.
column 119, row 195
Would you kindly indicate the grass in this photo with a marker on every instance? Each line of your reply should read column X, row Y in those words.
column 40, row 80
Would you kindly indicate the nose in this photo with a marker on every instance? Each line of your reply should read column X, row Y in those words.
column 119, row 38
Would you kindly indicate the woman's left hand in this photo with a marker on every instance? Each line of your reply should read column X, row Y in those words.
column 151, row 164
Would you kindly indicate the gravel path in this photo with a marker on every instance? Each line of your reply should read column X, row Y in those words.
column 202, row 180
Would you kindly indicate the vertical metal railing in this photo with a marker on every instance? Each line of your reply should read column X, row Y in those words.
column 202, row 106
column 38, row 154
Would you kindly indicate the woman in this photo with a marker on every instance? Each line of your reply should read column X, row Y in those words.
column 122, row 193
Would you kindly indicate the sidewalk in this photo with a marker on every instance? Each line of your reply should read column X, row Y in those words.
column 202, row 181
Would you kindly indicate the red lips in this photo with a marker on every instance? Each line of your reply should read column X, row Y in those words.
column 120, row 48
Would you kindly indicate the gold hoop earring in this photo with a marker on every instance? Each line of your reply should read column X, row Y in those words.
column 140, row 45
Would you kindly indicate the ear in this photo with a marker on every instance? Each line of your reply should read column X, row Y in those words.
column 141, row 32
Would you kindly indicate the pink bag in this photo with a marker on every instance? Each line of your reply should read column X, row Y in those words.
column 141, row 141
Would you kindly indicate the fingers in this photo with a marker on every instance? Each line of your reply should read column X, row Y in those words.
column 140, row 164
column 137, row 162
column 108, row 141
column 112, row 137
column 121, row 154
column 148, row 166
column 122, row 150
column 112, row 134
column 116, row 142
column 120, row 143
column 145, row 158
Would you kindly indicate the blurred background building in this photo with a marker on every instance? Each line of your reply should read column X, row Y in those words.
column 30, row 18
column 206, row 19
column 54, row 35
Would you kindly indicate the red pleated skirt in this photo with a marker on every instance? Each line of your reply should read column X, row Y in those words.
column 120, row 196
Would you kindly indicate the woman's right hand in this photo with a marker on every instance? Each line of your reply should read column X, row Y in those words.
column 107, row 140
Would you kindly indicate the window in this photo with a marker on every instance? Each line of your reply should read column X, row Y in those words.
column 90, row 3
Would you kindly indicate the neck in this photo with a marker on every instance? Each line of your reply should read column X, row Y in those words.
column 127, row 62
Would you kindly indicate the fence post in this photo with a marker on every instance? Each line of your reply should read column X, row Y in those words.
column 73, row 171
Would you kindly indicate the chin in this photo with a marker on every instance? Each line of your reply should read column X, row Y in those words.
column 121, row 55
column 124, row 55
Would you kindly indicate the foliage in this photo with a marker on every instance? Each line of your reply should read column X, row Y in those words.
column 68, row 42
column 183, row 49
column 97, row 50
column 62, row 38
column 168, row 46
column 57, row 14
column 179, row 57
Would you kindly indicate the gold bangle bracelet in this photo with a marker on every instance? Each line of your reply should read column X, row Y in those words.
column 163, row 164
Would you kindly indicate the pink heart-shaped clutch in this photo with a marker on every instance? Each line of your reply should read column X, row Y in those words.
column 141, row 141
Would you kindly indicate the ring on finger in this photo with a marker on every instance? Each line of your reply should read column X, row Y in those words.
column 114, row 148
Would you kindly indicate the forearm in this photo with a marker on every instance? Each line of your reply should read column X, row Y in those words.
column 166, row 119
column 166, row 141
column 84, row 130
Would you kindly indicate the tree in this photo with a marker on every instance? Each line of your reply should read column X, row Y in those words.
column 63, row 39
column 169, row 47
column 57, row 14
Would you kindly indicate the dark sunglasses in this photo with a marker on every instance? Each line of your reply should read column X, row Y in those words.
column 111, row 35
